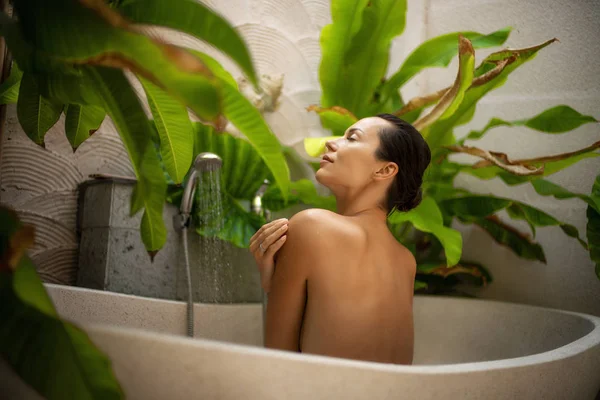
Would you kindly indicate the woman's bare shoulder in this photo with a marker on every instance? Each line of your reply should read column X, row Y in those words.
column 321, row 225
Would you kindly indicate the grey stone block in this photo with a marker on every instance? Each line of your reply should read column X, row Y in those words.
column 113, row 258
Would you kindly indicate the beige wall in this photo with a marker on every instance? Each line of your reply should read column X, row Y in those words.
column 564, row 73
column 283, row 36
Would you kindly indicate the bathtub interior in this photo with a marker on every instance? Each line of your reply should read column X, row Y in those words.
column 447, row 330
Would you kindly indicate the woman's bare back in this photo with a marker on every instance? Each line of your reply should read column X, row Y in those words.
column 359, row 299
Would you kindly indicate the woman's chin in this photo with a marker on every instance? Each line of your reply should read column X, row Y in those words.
column 322, row 177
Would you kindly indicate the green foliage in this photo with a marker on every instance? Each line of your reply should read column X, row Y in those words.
column 427, row 217
column 72, row 52
column 426, row 230
column 36, row 113
column 174, row 130
column 81, row 122
column 9, row 90
column 438, row 52
column 54, row 357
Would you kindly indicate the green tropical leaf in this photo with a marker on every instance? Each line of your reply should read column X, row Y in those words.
column 124, row 108
column 420, row 285
column 475, row 207
column 336, row 38
column 557, row 119
column 316, row 146
column 544, row 187
column 194, row 18
column 510, row 237
column 9, row 90
column 174, row 130
column 440, row 133
column 47, row 353
column 366, row 60
column 427, row 217
column 301, row 191
column 336, row 119
column 438, row 52
column 81, row 122
column 593, row 226
column 68, row 32
column 452, row 99
column 243, row 170
column 249, row 121
column 36, row 113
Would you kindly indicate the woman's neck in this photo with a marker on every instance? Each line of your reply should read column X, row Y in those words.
column 364, row 202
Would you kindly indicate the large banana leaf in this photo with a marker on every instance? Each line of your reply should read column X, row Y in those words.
column 248, row 120
column 9, row 90
column 438, row 52
column 440, row 133
column 174, row 130
column 557, row 119
column 243, row 170
column 452, row 99
column 36, row 113
column 547, row 188
column 47, row 353
column 475, row 208
column 506, row 235
column 81, row 122
column 366, row 60
column 70, row 32
column 544, row 187
column 427, row 217
column 336, row 38
column 194, row 18
column 124, row 108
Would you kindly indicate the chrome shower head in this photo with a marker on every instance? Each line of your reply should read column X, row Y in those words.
column 207, row 162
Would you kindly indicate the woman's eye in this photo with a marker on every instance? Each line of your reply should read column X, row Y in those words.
column 351, row 139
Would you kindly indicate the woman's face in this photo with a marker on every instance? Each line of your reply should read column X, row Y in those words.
column 349, row 162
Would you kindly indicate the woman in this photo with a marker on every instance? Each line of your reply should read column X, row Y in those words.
column 343, row 285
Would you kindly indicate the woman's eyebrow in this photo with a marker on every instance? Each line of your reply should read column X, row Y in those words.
column 351, row 130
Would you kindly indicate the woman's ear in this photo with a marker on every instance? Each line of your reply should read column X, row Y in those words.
column 387, row 171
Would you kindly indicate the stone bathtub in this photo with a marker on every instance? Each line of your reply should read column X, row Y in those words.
column 464, row 349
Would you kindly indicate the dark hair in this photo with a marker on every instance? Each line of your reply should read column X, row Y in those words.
column 402, row 144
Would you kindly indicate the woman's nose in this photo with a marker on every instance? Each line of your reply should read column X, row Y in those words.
column 331, row 145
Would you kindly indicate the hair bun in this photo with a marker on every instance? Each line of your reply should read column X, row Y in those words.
column 407, row 203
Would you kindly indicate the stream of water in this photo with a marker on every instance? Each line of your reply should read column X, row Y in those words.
column 212, row 265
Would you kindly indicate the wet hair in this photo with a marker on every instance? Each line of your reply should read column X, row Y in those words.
column 402, row 144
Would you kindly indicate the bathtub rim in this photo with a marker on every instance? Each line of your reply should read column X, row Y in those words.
column 585, row 343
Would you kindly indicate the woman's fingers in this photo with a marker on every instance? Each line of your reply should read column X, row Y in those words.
column 273, row 248
column 274, row 236
column 264, row 232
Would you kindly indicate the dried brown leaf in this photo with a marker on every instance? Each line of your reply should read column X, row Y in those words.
column 429, row 99
column 337, row 109
column 465, row 50
column 499, row 159
column 541, row 160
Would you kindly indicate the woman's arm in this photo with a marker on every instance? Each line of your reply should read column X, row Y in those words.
column 287, row 299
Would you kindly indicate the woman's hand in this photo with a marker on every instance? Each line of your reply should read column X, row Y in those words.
column 263, row 246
